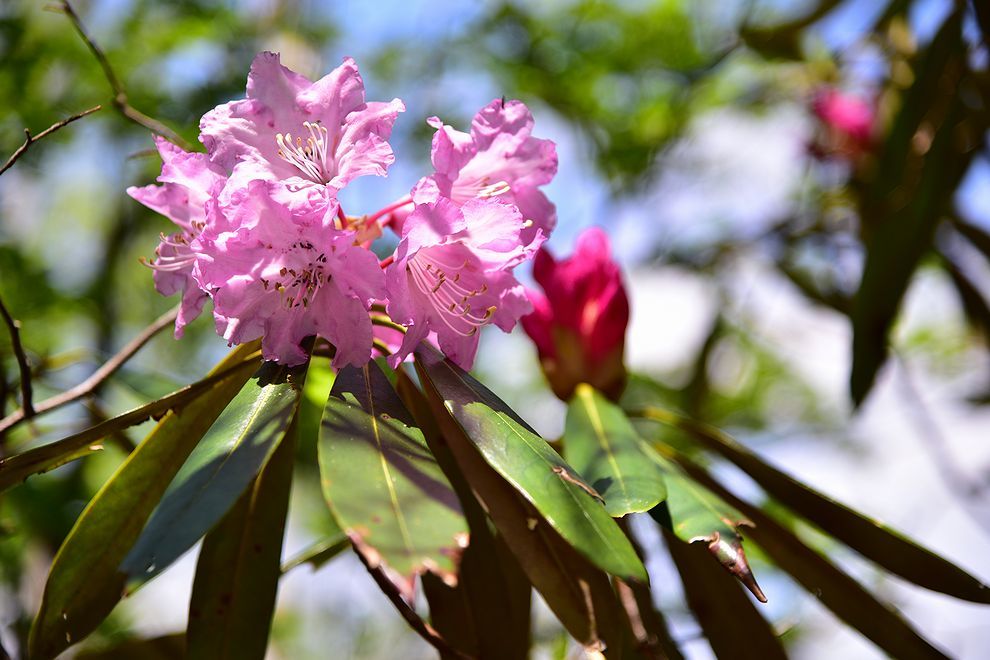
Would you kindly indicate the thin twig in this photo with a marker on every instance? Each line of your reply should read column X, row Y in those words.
column 22, row 361
column 119, row 92
column 89, row 385
column 31, row 139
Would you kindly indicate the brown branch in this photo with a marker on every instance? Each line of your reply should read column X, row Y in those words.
column 22, row 361
column 31, row 139
column 120, row 102
column 89, row 385
column 415, row 621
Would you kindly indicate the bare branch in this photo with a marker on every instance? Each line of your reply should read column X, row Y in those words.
column 31, row 139
column 425, row 630
column 119, row 92
column 22, row 361
column 89, row 385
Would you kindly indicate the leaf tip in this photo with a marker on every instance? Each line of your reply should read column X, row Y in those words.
column 732, row 556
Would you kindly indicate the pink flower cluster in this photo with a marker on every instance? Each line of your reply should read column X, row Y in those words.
column 261, row 233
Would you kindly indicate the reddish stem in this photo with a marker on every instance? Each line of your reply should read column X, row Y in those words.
column 341, row 215
column 387, row 261
column 405, row 201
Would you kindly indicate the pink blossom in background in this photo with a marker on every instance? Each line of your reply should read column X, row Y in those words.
column 188, row 182
column 498, row 159
column 849, row 122
column 284, row 275
column 452, row 274
column 579, row 321
column 308, row 134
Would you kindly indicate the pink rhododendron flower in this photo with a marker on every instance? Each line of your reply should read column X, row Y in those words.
column 283, row 274
column 579, row 323
column 498, row 159
column 452, row 274
column 848, row 120
column 305, row 133
column 188, row 181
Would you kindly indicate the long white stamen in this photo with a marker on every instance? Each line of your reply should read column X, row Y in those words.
column 312, row 157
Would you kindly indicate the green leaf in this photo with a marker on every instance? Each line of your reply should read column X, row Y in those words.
column 85, row 583
column 728, row 617
column 578, row 592
column 869, row 537
column 836, row 590
column 221, row 467
column 908, row 198
column 534, row 469
column 695, row 515
column 487, row 613
column 383, row 485
column 15, row 469
column 602, row 445
column 233, row 596
column 320, row 553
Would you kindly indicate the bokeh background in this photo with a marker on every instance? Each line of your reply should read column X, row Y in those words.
column 686, row 129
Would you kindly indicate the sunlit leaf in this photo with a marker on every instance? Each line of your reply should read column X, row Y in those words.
column 487, row 613
column 534, row 469
column 695, row 515
column 221, row 467
column 602, row 445
column 727, row 616
column 383, row 485
column 840, row 593
column 85, row 582
column 578, row 592
column 869, row 537
column 15, row 469
column 237, row 573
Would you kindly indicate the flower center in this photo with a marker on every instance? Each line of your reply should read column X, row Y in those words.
column 483, row 187
column 309, row 156
column 298, row 286
column 444, row 286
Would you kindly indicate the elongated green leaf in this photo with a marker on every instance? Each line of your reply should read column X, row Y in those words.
column 908, row 198
column 695, row 515
column 383, row 485
column 487, row 613
column 221, row 467
column 15, row 469
column 237, row 574
column 840, row 593
column 320, row 553
column 536, row 471
column 729, row 619
column 602, row 445
column 869, row 537
column 85, row 583
column 577, row 591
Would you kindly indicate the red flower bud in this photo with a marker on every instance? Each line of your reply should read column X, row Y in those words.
column 848, row 122
column 579, row 322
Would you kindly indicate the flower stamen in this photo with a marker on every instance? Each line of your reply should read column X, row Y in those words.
column 310, row 156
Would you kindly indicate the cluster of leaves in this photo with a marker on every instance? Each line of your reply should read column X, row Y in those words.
column 432, row 476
